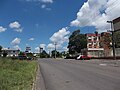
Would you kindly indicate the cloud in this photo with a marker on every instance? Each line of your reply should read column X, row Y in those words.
column 16, row 41
column 61, row 36
column 19, row 30
column 65, row 48
column 37, row 50
column 16, row 26
column 43, row 1
column 31, row 39
column 43, row 6
column 16, row 47
column 52, row 46
column 43, row 46
column 96, row 13
column 46, row 1
column 2, row 29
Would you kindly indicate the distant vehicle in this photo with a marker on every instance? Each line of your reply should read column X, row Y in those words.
column 83, row 57
column 29, row 58
column 22, row 57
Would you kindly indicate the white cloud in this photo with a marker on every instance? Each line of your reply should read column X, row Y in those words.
column 43, row 1
column 31, row 39
column 2, row 29
column 65, row 48
column 43, row 46
column 96, row 13
column 16, row 47
column 43, row 6
column 46, row 1
column 16, row 26
column 52, row 46
column 16, row 41
column 19, row 30
column 61, row 36
column 37, row 50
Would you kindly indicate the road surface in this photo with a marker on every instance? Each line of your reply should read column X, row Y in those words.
column 79, row 75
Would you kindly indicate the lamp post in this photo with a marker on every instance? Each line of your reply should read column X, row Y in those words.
column 113, row 40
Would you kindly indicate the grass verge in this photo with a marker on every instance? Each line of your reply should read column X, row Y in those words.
column 17, row 74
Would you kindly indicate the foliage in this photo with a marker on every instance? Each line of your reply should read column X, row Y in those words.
column 77, row 42
column 0, row 50
column 44, row 54
column 4, row 54
column 21, row 54
column 117, row 39
column 16, row 74
column 58, row 54
column 30, row 55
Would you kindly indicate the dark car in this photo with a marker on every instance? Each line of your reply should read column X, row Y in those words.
column 22, row 57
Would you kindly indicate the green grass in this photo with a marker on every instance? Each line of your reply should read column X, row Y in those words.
column 17, row 74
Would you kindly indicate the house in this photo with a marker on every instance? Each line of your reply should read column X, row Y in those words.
column 10, row 52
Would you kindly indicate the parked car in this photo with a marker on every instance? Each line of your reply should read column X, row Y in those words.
column 83, row 57
column 22, row 57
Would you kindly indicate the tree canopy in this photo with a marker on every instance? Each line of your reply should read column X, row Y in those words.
column 77, row 42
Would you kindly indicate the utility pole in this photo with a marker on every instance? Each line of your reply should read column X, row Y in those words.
column 113, row 40
column 55, row 49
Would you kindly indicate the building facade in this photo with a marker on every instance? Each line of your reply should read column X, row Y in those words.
column 94, row 48
column 10, row 52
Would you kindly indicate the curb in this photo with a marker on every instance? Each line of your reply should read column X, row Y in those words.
column 39, row 81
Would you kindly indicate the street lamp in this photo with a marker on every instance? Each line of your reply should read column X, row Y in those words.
column 113, row 40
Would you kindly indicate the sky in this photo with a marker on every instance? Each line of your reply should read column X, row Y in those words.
column 42, row 23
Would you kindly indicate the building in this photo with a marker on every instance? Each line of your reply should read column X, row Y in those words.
column 93, row 46
column 10, row 52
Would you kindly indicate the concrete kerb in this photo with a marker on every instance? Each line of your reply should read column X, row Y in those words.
column 39, row 83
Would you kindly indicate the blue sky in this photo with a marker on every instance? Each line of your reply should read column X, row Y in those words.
column 37, row 23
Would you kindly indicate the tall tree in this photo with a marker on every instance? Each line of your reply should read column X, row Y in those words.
column 58, row 54
column 77, row 42
column 44, row 54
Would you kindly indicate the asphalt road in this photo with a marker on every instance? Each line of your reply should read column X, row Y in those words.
column 79, row 75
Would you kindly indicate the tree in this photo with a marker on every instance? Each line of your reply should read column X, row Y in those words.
column 77, row 42
column 58, row 54
column 0, row 50
column 5, row 54
column 44, row 54
column 117, row 39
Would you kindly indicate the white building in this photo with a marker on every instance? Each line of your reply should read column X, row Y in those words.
column 10, row 52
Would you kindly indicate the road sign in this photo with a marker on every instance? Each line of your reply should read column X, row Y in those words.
column 116, row 24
